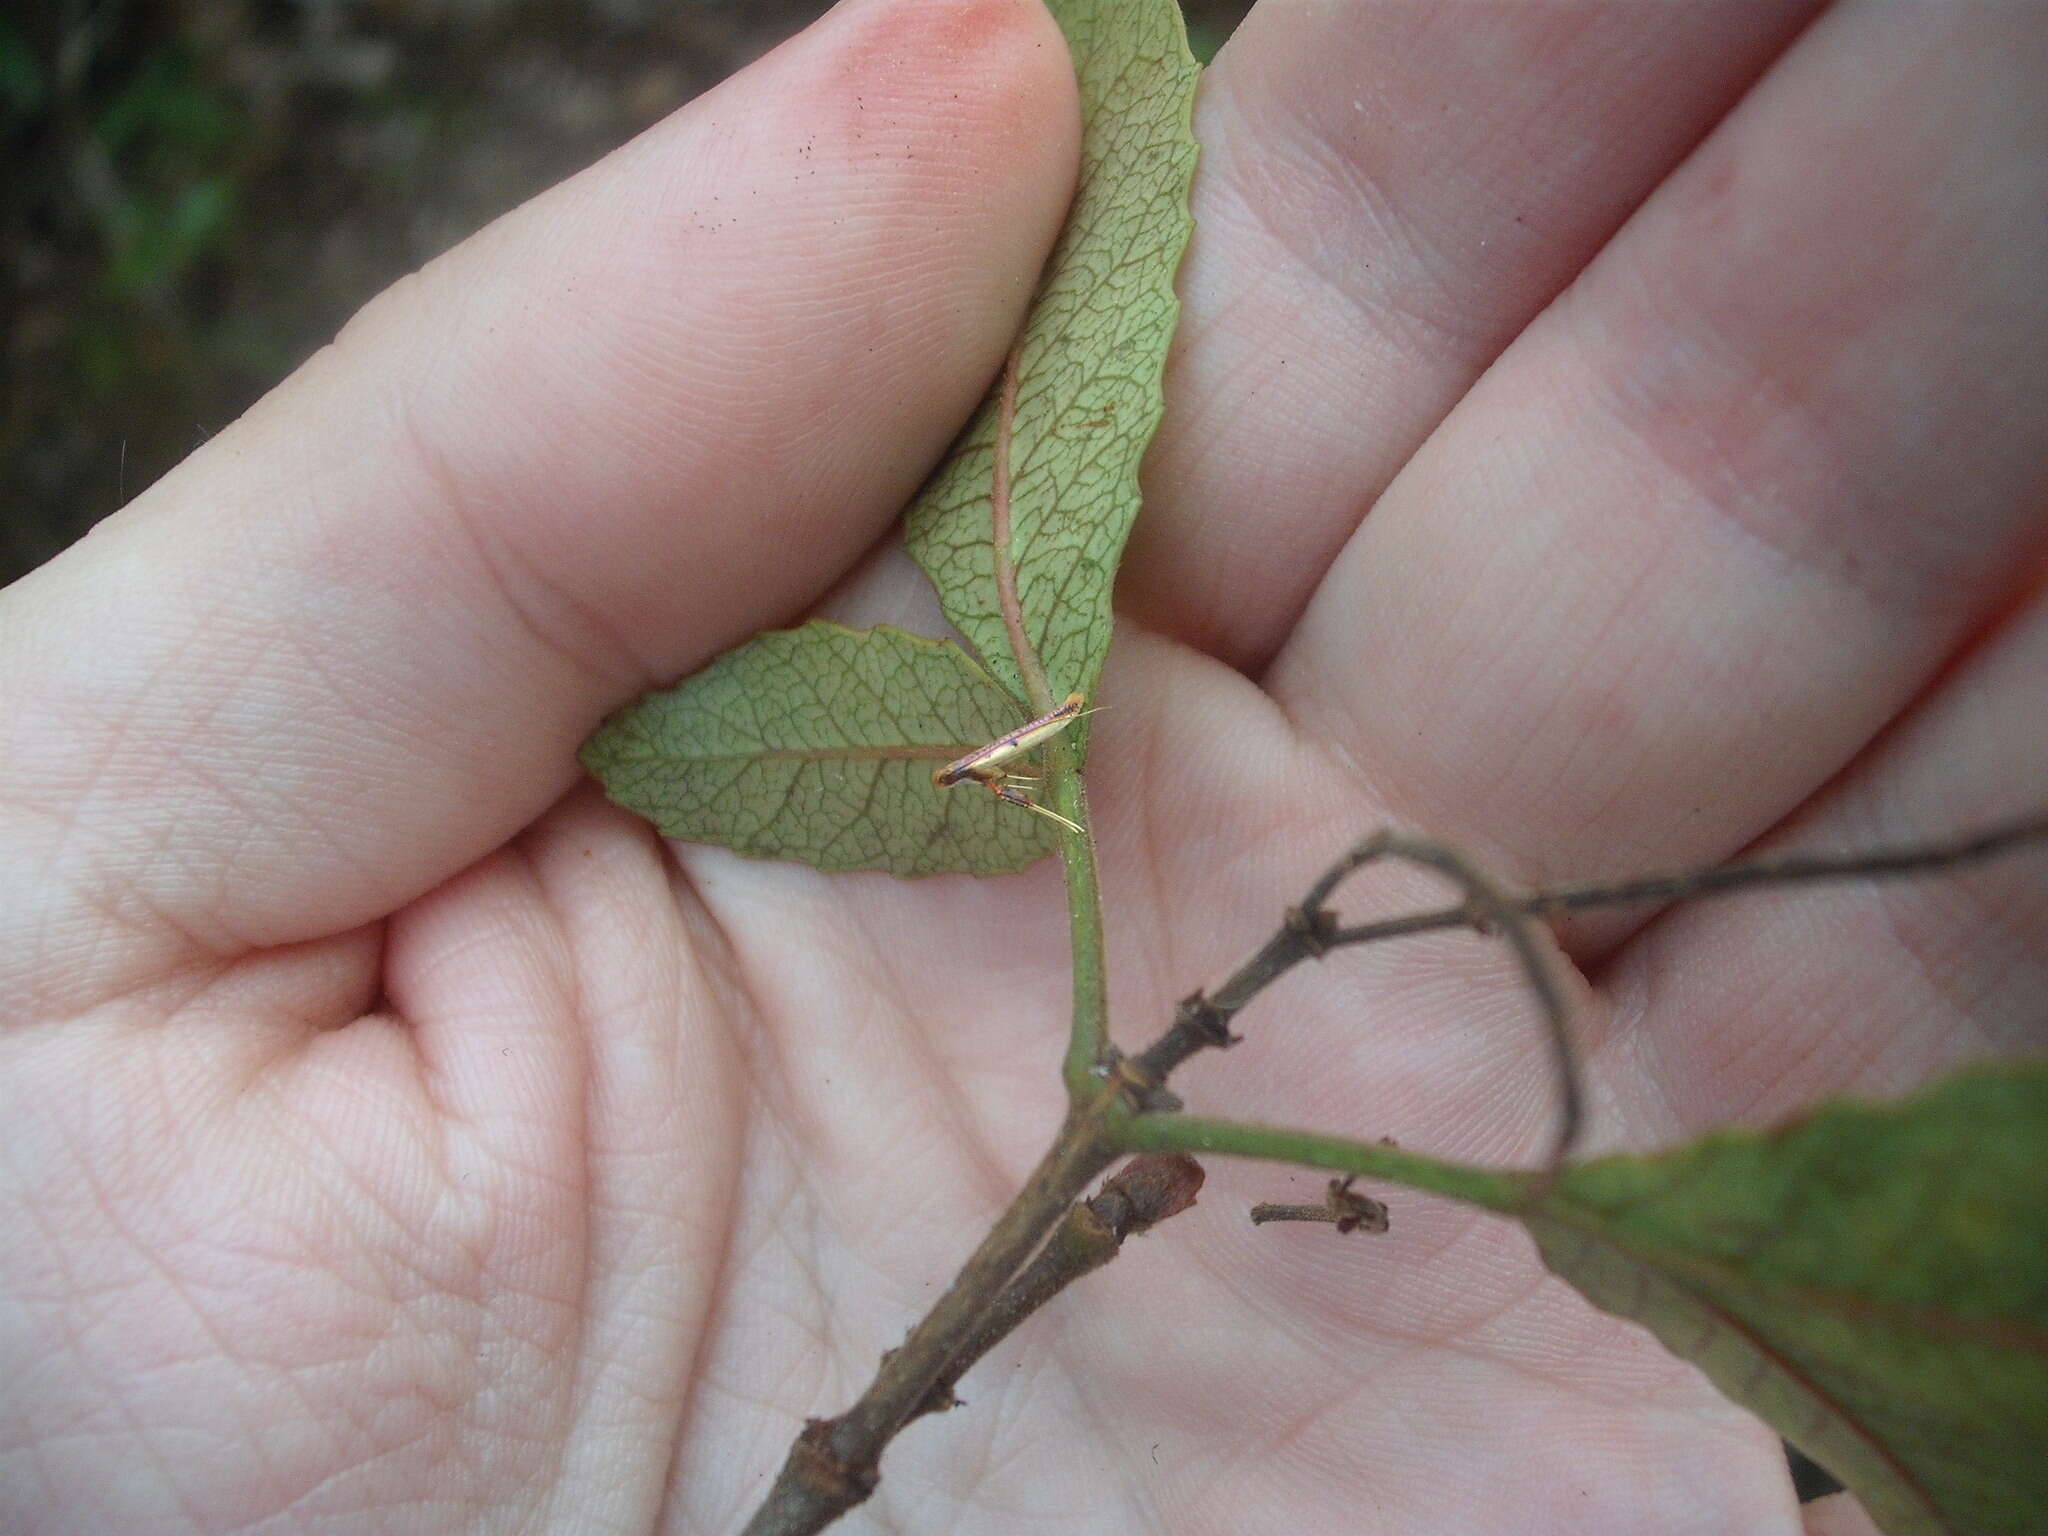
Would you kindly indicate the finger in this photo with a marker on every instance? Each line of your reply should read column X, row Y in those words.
column 354, row 642
column 1725, row 508
column 1388, row 194
column 1751, row 1009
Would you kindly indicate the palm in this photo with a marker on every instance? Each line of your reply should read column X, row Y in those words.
column 627, row 1162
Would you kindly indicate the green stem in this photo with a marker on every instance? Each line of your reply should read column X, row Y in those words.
column 1495, row 1189
column 1088, row 1043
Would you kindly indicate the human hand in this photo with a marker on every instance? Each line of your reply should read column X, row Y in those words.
column 397, row 1151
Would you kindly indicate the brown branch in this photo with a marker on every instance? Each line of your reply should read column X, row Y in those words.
column 1341, row 1206
column 1309, row 931
column 1202, row 1020
column 833, row 1464
column 1144, row 1192
column 1722, row 879
column 1486, row 906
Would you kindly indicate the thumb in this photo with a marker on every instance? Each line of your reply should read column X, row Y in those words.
column 352, row 643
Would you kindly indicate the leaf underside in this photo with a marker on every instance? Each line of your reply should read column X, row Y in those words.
column 818, row 744
column 1871, row 1280
column 1090, row 362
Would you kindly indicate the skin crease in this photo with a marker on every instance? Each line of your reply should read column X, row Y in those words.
column 397, row 1138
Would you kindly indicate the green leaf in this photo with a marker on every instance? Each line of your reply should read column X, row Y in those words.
column 818, row 744
column 1089, row 366
column 1872, row 1280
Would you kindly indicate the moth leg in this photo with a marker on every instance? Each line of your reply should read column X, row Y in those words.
column 1011, row 796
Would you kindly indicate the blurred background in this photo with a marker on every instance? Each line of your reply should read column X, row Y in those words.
column 195, row 194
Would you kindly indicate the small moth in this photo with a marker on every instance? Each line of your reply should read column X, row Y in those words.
column 986, row 765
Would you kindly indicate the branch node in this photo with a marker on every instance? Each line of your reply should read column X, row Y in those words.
column 1202, row 1019
column 821, row 1470
column 1137, row 1084
column 1356, row 1212
column 1315, row 927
